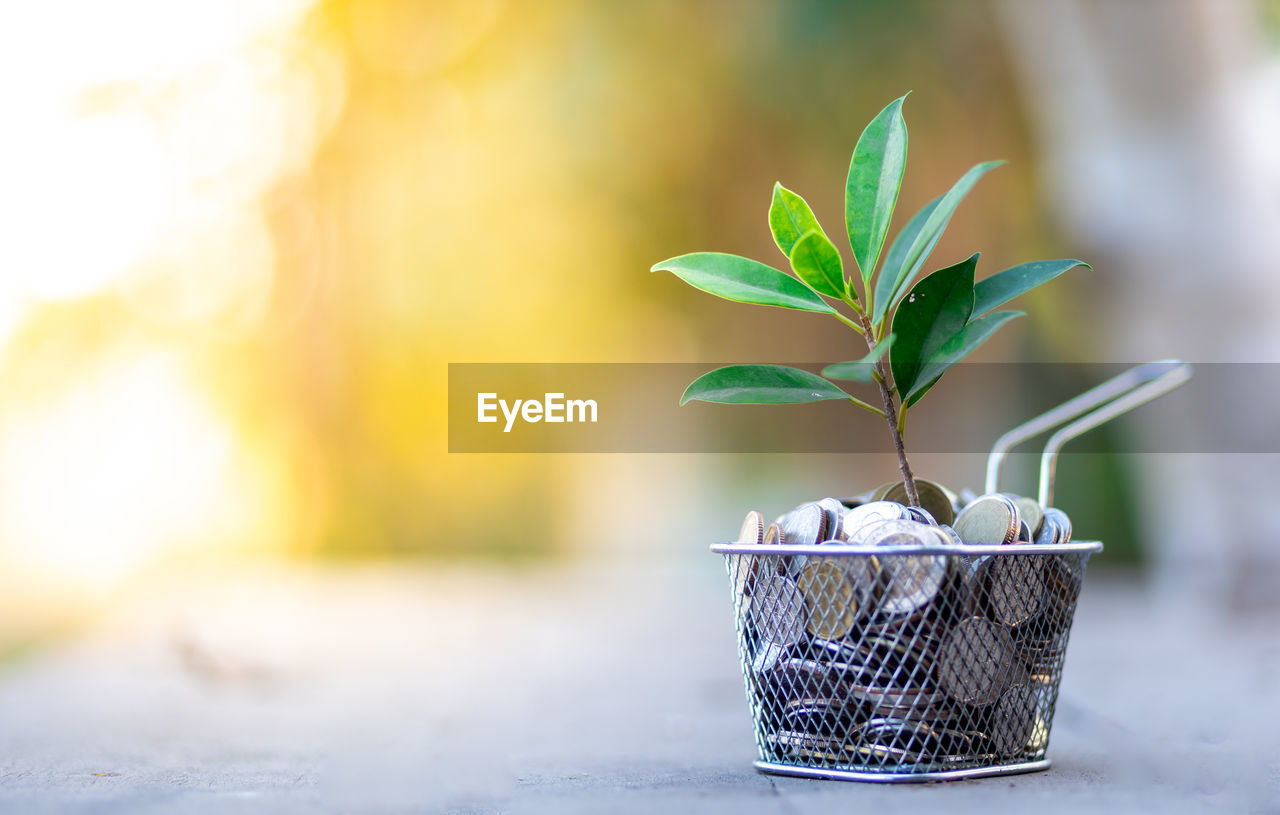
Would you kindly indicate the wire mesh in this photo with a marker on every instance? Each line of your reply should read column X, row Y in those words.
column 912, row 663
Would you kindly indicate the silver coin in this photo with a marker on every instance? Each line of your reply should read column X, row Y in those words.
column 806, row 524
column 860, row 516
column 1031, row 512
column 773, row 534
column 1049, row 532
column 921, row 515
column 950, row 532
column 929, row 739
column 1062, row 521
column 777, row 615
column 1013, row 720
column 887, row 700
column 810, row 748
column 1013, row 588
column 797, row 678
column 835, row 517
column 977, row 662
column 910, row 581
column 1024, row 533
column 989, row 519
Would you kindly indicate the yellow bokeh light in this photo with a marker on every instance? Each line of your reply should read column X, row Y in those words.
column 126, row 463
column 141, row 147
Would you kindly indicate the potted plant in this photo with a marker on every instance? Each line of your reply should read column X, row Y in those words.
column 878, row 641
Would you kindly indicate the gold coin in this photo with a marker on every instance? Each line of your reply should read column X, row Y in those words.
column 990, row 519
column 752, row 528
column 934, row 499
column 1031, row 513
column 745, row 568
column 828, row 598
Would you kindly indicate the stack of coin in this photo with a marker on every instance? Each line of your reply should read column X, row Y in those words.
column 905, row 657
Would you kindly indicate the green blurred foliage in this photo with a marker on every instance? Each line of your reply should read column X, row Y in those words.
column 502, row 176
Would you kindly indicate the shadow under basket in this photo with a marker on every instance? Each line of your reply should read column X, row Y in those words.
column 903, row 663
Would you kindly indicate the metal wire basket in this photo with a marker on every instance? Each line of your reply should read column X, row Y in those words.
column 920, row 662
column 903, row 663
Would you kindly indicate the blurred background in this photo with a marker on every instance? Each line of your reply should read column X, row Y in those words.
column 242, row 241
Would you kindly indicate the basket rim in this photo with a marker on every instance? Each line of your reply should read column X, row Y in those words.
column 1074, row 547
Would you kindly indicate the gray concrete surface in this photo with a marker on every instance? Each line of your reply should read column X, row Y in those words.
column 609, row 687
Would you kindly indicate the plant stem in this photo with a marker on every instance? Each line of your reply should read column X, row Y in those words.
column 891, row 414
column 848, row 322
column 877, row 411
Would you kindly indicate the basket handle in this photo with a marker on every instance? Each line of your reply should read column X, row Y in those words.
column 1117, row 395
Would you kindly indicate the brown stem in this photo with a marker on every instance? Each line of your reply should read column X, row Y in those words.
column 891, row 416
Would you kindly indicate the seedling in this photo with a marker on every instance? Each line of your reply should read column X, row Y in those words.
column 923, row 329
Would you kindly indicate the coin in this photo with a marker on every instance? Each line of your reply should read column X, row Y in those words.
column 1031, row 512
column 1038, row 742
column 910, row 581
column 990, row 519
column 863, row 572
column 745, row 566
column 776, row 615
column 903, row 660
column 819, row 716
column 1049, row 532
column 921, row 516
column 976, row 661
column 829, row 599
column 951, row 533
column 1013, row 587
column 934, row 499
column 1013, row 718
column 813, row 748
column 1062, row 521
column 892, row 740
column 752, row 528
column 1062, row 590
column 835, row 515
column 773, row 534
column 929, row 739
column 860, row 516
column 888, row 700
column 797, row 678
column 806, row 524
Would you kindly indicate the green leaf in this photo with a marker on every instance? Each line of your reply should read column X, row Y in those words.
column 1002, row 287
column 937, row 308
column 860, row 371
column 891, row 285
column 934, row 225
column 790, row 218
column 961, row 345
column 815, row 261
column 760, row 385
column 871, row 190
column 743, row 280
